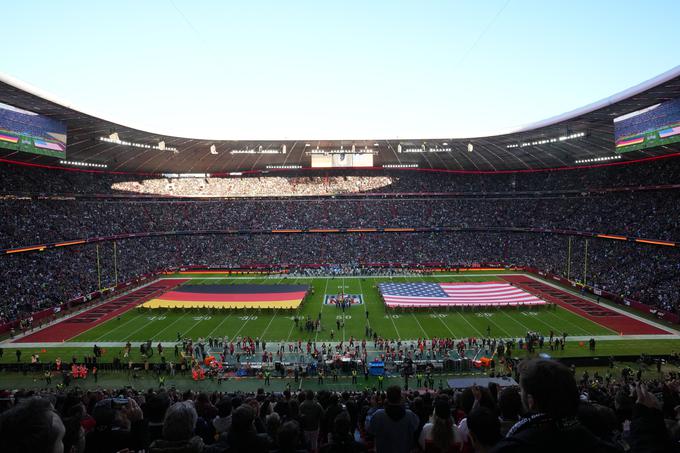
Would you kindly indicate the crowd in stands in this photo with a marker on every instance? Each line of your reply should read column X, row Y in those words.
column 15, row 179
column 650, row 274
column 551, row 410
column 40, row 280
column 648, row 214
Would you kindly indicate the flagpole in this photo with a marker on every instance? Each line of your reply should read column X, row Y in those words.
column 569, row 259
column 99, row 271
column 115, row 263
column 585, row 264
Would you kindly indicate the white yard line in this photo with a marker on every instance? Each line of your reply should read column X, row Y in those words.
column 273, row 314
column 575, row 325
column 481, row 335
column 357, row 276
column 490, row 319
column 170, row 325
column 113, row 344
column 453, row 335
column 323, row 297
column 270, row 323
column 219, row 325
column 365, row 301
column 421, row 327
column 118, row 326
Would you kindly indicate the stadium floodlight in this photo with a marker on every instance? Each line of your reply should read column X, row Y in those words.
column 114, row 136
column 400, row 166
column 283, row 149
column 470, row 147
column 82, row 164
column 213, row 149
column 399, row 148
column 117, row 141
column 598, row 159
column 283, row 167
column 161, row 145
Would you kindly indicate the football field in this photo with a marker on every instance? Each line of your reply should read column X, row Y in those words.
column 278, row 325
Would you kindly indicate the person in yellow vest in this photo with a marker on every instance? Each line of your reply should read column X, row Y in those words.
column 320, row 381
column 354, row 376
column 267, row 375
column 381, row 378
column 419, row 379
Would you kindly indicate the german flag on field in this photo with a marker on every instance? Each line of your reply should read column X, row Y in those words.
column 231, row 296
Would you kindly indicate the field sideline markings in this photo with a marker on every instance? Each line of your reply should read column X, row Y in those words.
column 490, row 319
column 524, row 326
column 83, row 310
column 550, row 326
column 172, row 323
column 568, row 321
column 351, row 276
column 574, row 324
column 481, row 335
column 134, row 318
column 361, row 288
column 453, row 335
column 609, row 305
column 219, row 325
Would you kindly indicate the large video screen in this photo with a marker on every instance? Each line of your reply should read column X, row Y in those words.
column 28, row 132
column 342, row 160
column 652, row 126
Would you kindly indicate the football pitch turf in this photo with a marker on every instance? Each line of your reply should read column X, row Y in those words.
column 163, row 325
column 278, row 325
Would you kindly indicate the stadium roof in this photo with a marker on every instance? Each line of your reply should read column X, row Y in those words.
column 587, row 134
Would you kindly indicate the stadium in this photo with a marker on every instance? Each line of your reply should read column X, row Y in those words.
column 332, row 270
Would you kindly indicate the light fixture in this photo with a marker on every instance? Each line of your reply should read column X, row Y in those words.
column 597, row 159
column 82, row 164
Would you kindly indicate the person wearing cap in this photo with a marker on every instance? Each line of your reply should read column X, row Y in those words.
column 393, row 426
column 441, row 434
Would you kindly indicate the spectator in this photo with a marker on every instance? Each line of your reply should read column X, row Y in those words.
column 441, row 434
column 394, row 426
column 551, row 398
column 31, row 426
column 178, row 431
column 311, row 414
column 484, row 429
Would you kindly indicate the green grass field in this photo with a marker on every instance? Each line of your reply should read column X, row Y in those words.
column 277, row 325
column 162, row 325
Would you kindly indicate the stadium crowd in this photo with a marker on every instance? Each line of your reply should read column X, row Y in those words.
column 648, row 214
column 35, row 281
column 16, row 179
column 41, row 280
column 551, row 410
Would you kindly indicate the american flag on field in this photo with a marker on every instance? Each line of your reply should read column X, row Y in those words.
column 484, row 294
